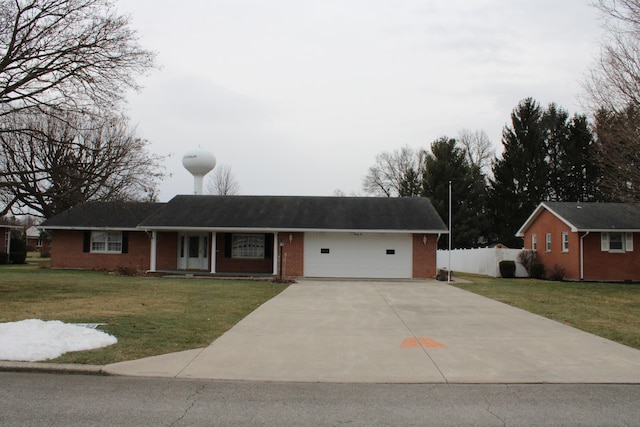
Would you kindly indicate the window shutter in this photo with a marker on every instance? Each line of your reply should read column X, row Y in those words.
column 227, row 245
column 604, row 242
column 86, row 242
column 268, row 245
column 629, row 245
column 125, row 242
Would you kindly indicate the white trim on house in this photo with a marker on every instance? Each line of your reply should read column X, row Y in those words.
column 536, row 213
column 280, row 230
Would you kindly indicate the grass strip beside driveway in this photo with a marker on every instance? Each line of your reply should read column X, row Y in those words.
column 610, row 310
column 148, row 315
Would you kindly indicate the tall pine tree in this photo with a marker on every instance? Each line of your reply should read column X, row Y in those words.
column 520, row 177
column 447, row 162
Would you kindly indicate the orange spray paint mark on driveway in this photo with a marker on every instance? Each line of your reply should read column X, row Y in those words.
column 424, row 342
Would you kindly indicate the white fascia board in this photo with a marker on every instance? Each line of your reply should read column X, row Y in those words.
column 91, row 228
column 536, row 213
column 290, row 230
column 611, row 230
column 529, row 220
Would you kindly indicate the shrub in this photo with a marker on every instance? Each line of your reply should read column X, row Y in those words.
column 507, row 269
column 442, row 275
column 557, row 273
column 537, row 270
column 4, row 258
column 18, row 253
column 127, row 271
column 528, row 258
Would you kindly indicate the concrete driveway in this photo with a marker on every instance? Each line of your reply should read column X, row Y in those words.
column 396, row 332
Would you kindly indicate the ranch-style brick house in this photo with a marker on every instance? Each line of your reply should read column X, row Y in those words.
column 591, row 241
column 287, row 236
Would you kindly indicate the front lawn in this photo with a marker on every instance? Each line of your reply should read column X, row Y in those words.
column 610, row 310
column 148, row 315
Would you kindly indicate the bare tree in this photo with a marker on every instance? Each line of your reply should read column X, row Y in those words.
column 71, row 54
column 617, row 152
column 397, row 173
column 222, row 182
column 613, row 83
column 613, row 93
column 478, row 149
column 49, row 164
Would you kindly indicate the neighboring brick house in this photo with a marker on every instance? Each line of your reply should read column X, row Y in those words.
column 36, row 239
column 366, row 237
column 590, row 241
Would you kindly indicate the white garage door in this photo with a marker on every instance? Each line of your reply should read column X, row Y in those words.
column 364, row 255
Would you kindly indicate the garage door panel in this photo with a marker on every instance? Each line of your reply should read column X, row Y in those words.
column 355, row 255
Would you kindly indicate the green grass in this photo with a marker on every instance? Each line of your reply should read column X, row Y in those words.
column 610, row 310
column 148, row 315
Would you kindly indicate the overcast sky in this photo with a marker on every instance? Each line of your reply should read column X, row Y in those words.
column 298, row 96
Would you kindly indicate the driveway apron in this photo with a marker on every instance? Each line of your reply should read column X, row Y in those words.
column 396, row 332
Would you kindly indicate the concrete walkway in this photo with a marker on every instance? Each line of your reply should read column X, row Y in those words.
column 396, row 332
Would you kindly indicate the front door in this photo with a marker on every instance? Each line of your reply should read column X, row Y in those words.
column 193, row 252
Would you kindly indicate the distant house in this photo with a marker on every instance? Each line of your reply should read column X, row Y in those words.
column 365, row 237
column 591, row 241
column 37, row 240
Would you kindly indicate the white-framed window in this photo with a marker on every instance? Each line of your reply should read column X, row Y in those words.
column 534, row 242
column 106, row 241
column 616, row 242
column 247, row 246
column 565, row 241
column 548, row 242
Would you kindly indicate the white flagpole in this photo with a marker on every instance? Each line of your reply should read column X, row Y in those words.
column 449, row 269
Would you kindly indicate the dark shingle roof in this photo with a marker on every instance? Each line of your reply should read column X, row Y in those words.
column 297, row 212
column 598, row 216
column 118, row 215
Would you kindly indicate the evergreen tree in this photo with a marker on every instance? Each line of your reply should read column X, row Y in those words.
column 520, row 177
column 580, row 171
column 448, row 163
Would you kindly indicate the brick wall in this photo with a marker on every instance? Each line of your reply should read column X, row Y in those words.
column 67, row 252
column 227, row 264
column 570, row 261
column 167, row 251
column 604, row 266
column 292, row 254
column 424, row 256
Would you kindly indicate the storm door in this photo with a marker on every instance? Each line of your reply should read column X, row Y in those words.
column 193, row 252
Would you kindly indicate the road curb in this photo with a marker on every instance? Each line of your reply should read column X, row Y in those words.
column 66, row 368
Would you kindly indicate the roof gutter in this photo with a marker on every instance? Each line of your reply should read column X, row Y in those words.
column 582, row 254
column 284, row 229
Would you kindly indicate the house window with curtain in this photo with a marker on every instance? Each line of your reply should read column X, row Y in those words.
column 248, row 246
column 548, row 242
column 616, row 242
column 534, row 242
column 565, row 241
column 106, row 241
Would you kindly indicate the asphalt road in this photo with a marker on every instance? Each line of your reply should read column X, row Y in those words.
column 37, row 399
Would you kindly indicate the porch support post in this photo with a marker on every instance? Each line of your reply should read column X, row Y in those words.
column 276, row 245
column 154, row 250
column 213, row 252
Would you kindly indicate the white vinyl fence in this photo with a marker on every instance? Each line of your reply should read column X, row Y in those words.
column 480, row 261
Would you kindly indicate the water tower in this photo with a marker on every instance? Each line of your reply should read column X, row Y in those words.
column 199, row 163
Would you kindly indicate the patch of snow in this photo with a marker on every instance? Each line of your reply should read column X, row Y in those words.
column 35, row 340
